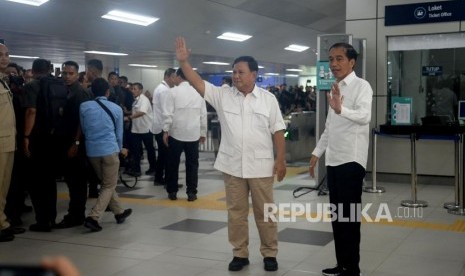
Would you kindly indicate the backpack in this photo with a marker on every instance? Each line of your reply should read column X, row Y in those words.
column 51, row 102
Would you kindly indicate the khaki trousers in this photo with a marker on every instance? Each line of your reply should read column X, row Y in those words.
column 6, row 167
column 237, row 201
column 106, row 168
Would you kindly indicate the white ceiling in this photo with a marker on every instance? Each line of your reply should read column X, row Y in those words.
column 61, row 30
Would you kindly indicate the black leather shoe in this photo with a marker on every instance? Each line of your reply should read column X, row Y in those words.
column 172, row 196
column 238, row 264
column 92, row 224
column 150, row 171
column 270, row 264
column 332, row 271
column 6, row 237
column 191, row 197
column 67, row 224
column 120, row 218
column 39, row 227
column 14, row 230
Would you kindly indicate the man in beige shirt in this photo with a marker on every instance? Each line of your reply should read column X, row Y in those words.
column 7, row 144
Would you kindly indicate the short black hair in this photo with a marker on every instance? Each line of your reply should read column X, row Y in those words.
column 96, row 63
column 41, row 66
column 253, row 65
column 169, row 72
column 180, row 73
column 112, row 73
column 16, row 66
column 349, row 50
column 139, row 85
column 99, row 87
column 81, row 76
column 124, row 78
column 71, row 63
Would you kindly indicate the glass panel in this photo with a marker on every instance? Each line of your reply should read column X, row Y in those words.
column 433, row 78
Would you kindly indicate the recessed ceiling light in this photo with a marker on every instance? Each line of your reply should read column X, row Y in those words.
column 294, row 70
column 142, row 65
column 105, row 53
column 195, row 69
column 228, row 71
column 261, row 67
column 296, row 48
column 292, row 75
column 28, row 57
column 234, row 36
column 131, row 18
column 30, row 2
column 272, row 74
column 215, row 63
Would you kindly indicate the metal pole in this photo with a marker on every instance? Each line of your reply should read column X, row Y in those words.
column 455, row 204
column 414, row 203
column 461, row 209
column 373, row 188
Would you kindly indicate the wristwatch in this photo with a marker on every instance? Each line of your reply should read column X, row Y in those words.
column 76, row 143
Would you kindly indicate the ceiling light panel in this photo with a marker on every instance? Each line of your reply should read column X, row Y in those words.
column 234, row 36
column 294, row 70
column 105, row 53
column 30, row 2
column 131, row 18
column 215, row 63
column 26, row 57
column 296, row 48
column 142, row 65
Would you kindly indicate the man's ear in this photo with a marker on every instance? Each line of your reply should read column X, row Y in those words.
column 107, row 93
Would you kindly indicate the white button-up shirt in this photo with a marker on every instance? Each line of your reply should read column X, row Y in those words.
column 144, row 123
column 247, row 125
column 346, row 135
column 185, row 113
column 159, row 95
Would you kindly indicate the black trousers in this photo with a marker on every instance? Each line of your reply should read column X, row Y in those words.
column 162, row 159
column 76, row 179
column 147, row 139
column 47, row 157
column 18, row 186
column 191, row 151
column 345, row 187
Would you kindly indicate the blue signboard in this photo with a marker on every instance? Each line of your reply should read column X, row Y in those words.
column 431, row 12
column 325, row 77
column 431, row 71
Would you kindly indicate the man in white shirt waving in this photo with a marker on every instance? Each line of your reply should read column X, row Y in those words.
column 250, row 122
column 345, row 141
column 185, row 125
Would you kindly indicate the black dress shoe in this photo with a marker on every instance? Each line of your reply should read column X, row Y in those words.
column 14, row 230
column 120, row 218
column 172, row 196
column 67, row 224
column 39, row 227
column 150, row 171
column 92, row 224
column 6, row 237
column 332, row 271
column 270, row 264
column 238, row 264
column 191, row 197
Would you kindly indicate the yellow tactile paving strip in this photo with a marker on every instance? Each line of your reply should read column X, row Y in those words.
column 215, row 201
